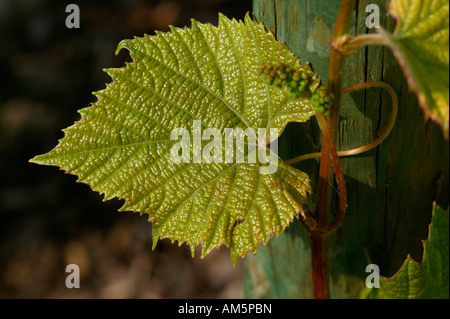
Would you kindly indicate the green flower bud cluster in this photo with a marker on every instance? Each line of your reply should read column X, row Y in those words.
column 281, row 75
column 297, row 82
column 321, row 100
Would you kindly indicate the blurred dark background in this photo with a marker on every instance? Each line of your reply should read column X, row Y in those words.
column 47, row 220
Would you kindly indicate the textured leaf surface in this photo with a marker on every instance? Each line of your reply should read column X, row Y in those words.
column 428, row 279
column 421, row 45
column 121, row 146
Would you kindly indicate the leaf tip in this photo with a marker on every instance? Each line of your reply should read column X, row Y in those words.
column 40, row 160
column 248, row 17
column 36, row 160
column 194, row 22
column 122, row 44
column 155, row 241
column 234, row 258
column 222, row 18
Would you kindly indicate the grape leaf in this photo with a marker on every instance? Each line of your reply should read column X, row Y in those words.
column 428, row 279
column 421, row 45
column 122, row 145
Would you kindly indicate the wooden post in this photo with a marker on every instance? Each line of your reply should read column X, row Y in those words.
column 390, row 189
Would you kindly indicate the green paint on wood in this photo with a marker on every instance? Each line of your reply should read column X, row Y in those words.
column 390, row 189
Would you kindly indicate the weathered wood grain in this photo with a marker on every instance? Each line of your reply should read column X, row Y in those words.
column 390, row 189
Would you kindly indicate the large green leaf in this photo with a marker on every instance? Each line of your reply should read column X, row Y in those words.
column 428, row 279
column 204, row 74
column 421, row 45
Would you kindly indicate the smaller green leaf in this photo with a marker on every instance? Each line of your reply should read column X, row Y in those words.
column 421, row 45
column 426, row 280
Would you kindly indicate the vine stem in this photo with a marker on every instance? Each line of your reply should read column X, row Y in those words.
column 319, row 236
column 347, row 45
column 328, row 127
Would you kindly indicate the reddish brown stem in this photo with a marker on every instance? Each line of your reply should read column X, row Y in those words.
column 328, row 143
column 320, row 235
column 328, row 127
column 337, row 61
column 320, row 266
